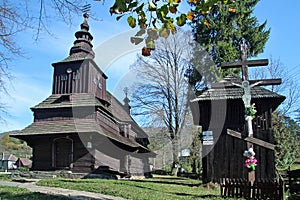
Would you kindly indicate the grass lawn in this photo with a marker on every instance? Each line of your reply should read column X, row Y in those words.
column 15, row 193
column 159, row 187
column 5, row 177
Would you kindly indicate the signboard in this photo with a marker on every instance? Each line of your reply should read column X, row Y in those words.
column 207, row 138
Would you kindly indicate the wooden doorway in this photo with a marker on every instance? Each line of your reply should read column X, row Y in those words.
column 62, row 153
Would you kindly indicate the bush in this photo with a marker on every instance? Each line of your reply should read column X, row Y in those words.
column 23, row 169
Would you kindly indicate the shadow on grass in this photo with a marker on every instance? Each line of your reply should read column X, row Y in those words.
column 169, row 182
column 30, row 196
column 181, row 194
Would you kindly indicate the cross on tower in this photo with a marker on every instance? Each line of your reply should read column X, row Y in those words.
column 126, row 90
column 86, row 8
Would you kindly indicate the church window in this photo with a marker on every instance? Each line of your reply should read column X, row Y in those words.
column 95, row 80
column 100, row 85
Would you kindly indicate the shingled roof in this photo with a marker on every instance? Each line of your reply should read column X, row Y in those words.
column 121, row 114
column 69, row 100
column 9, row 157
column 235, row 93
column 225, row 90
column 81, row 125
column 73, row 126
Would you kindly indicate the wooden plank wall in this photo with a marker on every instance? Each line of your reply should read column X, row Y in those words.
column 226, row 160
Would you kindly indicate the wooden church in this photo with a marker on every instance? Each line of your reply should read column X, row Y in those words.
column 81, row 127
column 221, row 113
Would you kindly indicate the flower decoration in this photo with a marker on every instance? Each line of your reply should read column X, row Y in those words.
column 250, row 111
column 251, row 161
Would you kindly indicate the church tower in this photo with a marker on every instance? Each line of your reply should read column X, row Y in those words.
column 78, row 73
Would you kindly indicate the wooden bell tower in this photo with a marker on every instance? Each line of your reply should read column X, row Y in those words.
column 220, row 111
column 78, row 73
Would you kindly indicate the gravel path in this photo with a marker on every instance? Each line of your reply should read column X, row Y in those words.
column 72, row 194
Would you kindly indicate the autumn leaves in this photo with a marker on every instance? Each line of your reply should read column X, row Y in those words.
column 158, row 18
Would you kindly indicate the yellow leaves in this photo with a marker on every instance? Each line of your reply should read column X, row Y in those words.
column 195, row 2
column 233, row 10
column 150, row 44
column 181, row 20
column 163, row 32
column 204, row 12
column 131, row 21
column 206, row 23
column 164, row 16
column 190, row 15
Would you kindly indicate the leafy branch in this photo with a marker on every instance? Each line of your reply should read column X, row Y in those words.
column 159, row 18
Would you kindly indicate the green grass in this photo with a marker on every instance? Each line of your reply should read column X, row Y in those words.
column 162, row 187
column 5, row 177
column 296, row 165
column 15, row 193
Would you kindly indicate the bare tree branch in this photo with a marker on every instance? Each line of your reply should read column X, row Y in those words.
column 289, row 86
column 161, row 99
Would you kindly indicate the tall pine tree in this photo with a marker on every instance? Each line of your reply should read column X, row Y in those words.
column 221, row 31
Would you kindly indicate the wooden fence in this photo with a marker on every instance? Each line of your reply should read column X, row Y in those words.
column 294, row 181
column 261, row 189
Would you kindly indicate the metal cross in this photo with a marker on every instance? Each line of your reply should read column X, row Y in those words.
column 126, row 90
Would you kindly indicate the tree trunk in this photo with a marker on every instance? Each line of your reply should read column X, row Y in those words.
column 175, row 156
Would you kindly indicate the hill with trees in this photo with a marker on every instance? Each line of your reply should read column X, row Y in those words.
column 14, row 146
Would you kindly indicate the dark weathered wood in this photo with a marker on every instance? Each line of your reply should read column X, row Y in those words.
column 263, row 82
column 261, row 189
column 251, row 139
column 250, row 63
column 294, row 180
column 78, row 126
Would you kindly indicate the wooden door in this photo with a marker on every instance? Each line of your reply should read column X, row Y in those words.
column 63, row 153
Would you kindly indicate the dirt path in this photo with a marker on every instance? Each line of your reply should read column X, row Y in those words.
column 72, row 194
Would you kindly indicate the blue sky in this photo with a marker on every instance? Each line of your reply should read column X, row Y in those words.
column 33, row 74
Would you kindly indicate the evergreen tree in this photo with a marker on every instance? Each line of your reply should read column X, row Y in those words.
column 287, row 137
column 222, row 30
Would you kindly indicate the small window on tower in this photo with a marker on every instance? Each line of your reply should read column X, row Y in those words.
column 95, row 80
column 63, row 77
column 100, row 85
